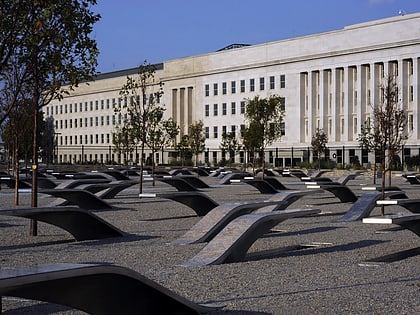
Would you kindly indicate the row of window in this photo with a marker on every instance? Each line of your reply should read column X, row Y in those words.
column 89, row 121
column 96, row 105
column 232, row 131
column 242, row 85
column 86, row 139
column 242, row 108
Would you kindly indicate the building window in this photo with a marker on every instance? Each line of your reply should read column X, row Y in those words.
column 272, row 83
column 242, row 86
column 96, row 121
column 215, row 89
column 102, row 120
column 224, row 109
column 282, row 81
column 233, row 87
column 233, row 108
column 215, row 132
column 411, row 96
column 215, row 110
column 243, row 107
column 262, row 84
column 252, row 85
column 224, row 88
column 233, row 131
column 410, row 122
column 224, row 130
column 207, row 110
column 282, row 103
column 207, row 90
column 282, row 128
column 91, row 105
column 207, row 132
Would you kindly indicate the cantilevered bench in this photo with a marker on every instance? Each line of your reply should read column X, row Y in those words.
column 228, row 178
column 410, row 222
column 365, row 205
column 196, row 200
column 214, row 221
column 342, row 180
column 412, row 205
column 177, row 182
column 233, row 242
column 82, row 198
column 194, row 181
column 342, row 192
column 73, row 183
column 109, row 190
column 82, row 224
column 96, row 289
column 266, row 186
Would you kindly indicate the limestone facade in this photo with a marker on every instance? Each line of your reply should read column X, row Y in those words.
column 328, row 81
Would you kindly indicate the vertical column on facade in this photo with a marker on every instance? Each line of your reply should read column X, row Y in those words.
column 416, row 98
column 346, row 118
column 175, row 108
column 190, row 106
column 332, row 114
column 351, row 101
column 323, row 99
column 365, row 90
column 181, row 112
column 309, row 107
column 337, row 92
column 327, row 101
column 405, row 83
column 303, row 105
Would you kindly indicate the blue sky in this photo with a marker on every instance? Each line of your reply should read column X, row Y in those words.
column 132, row 31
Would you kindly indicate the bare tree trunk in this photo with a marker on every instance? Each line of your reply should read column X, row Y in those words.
column 16, row 167
column 141, row 167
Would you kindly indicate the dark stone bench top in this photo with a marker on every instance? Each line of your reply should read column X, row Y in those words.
column 108, row 289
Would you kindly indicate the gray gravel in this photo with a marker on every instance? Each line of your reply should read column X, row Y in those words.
column 328, row 274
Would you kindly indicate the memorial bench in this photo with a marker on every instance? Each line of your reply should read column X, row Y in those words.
column 233, row 242
column 98, row 289
column 82, row 224
column 413, row 205
column 177, row 182
column 410, row 222
column 82, row 198
column 214, row 221
column 366, row 203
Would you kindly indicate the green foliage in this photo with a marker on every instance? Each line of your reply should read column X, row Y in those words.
column 229, row 144
column 319, row 143
column 196, row 139
column 265, row 122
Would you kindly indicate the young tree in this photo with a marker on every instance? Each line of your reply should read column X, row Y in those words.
column 56, row 53
column 196, row 139
column 162, row 133
column 390, row 122
column 229, row 144
column 140, row 100
column 369, row 140
column 265, row 122
column 319, row 144
column 123, row 141
column 184, row 149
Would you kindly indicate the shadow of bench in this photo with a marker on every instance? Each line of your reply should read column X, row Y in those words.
column 233, row 242
column 82, row 224
column 96, row 289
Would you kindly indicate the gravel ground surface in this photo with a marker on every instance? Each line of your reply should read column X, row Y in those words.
column 308, row 265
